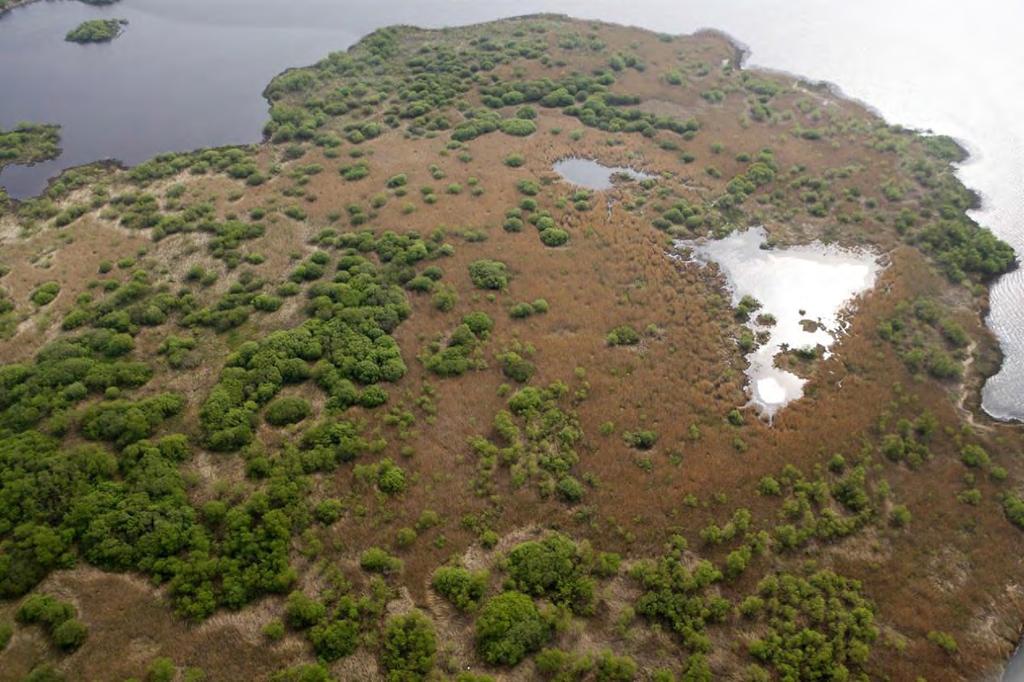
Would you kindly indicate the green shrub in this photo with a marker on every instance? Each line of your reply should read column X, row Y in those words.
column 45, row 293
column 301, row 611
column 463, row 588
column 376, row 560
column 554, row 236
column 944, row 641
column 390, row 477
column 488, row 274
column 516, row 367
column 509, row 628
column 70, row 634
column 161, row 670
column 554, row 568
column 520, row 127
column 409, row 647
column 338, row 635
column 623, row 335
column 287, row 410
column 515, row 160
column 569, row 489
column 641, row 440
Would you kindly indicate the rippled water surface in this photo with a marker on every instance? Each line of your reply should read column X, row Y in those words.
column 804, row 288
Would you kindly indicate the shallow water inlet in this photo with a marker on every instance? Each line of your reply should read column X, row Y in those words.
column 804, row 289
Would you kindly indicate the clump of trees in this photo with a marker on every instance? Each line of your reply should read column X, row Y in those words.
column 536, row 439
column 680, row 597
column 555, row 568
column 818, row 627
column 462, row 587
column 56, row 617
column 927, row 338
column 409, row 647
column 509, row 628
column 462, row 350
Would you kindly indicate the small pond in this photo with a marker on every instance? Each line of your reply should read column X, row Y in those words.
column 593, row 175
column 805, row 288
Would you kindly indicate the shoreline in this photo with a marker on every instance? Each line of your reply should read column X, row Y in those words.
column 742, row 54
column 532, row 269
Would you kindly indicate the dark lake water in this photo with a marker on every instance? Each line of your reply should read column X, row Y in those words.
column 189, row 73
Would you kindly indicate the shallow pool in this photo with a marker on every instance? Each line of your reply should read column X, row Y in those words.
column 805, row 288
column 593, row 175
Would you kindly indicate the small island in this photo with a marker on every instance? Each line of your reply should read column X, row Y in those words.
column 97, row 31
column 28, row 143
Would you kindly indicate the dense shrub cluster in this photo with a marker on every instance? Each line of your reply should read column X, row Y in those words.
column 554, row 568
column 680, row 597
column 927, row 338
column 347, row 343
column 462, row 349
column 509, row 628
column 409, row 647
column 537, row 440
column 819, row 627
column 56, row 617
column 462, row 587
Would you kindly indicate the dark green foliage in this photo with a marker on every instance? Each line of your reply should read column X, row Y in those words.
column 488, row 274
column 747, row 305
column 302, row 611
column 64, row 373
column 537, row 436
column 56, row 617
column 462, row 350
column 463, row 588
column 348, row 340
column 287, row 410
column 45, row 293
column 409, row 647
column 336, row 635
column 679, row 597
column 69, row 635
column 520, row 127
column 554, row 236
column 126, row 421
column 6, row 632
column 516, row 367
column 554, row 568
column 820, row 627
column 509, row 628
